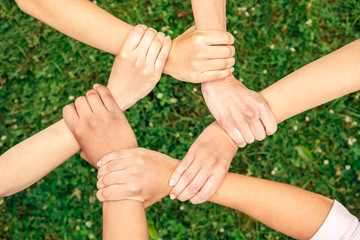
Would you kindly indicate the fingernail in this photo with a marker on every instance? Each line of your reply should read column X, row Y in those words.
column 96, row 85
column 232, row 69
column 168, row 38
column 172, row 182
column 172, row 196
column 99, row 163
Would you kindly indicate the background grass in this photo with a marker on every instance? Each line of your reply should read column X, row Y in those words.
column 318, row 150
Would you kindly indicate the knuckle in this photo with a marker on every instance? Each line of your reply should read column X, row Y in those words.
column 105, row 193
column 187, row 176
column 134, row 189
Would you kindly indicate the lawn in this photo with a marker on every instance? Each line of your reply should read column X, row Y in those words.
column 42, row 70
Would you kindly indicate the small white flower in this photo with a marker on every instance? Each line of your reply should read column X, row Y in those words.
column 92, row 199
column 354, row 124
column 177, row 135
column 272, row 46
column 241, row 10
column 221, row 230
column 88, row 224
column 77, row 228
column 55, row 108
column 295, row 128
column 3, row 137
column 159, row 95
column 348, row 119
column 151, row 124
column 274, row 171
column 44, row 207
column 247, row 14
column 15, row 126
column 71, row 97
column 265, row 71
column 1, row 144
column 91, row 236
column 1, row 201
column 16, row 100
column 347, row 167
column 309, row 22
column 173, row 100
column 43, row 99
column 331, row 111
column 292, row 49
column 194, row 89
column 351, row 141
column 253, row 9
column 94, row 2
column 326, row 162
column 191, row 134
column 241, row 79
column 182, row 207
column 235, row 32
column 307, row 119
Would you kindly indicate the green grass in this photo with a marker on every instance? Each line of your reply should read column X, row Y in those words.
column 41, row 68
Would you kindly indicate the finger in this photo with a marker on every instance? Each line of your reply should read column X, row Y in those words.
column 208, row 190
column 112, row 178
column 215, row 52
column 215, row 75
column 236, row 136
column 268, row 120
column 95, row 102
column 144, row 45
column 218, row 64
column 257, row 130
column 133, row 40
column 70, row 115
column 82, row 107
column 122, row 154
column 163, row 55
column 194, row 186
column 246, row 132
column 107, row 98
column 184, row 180
column 216, row 37
column 180, row 169
column 112, row 166
column 116, row 193
column 155, row 48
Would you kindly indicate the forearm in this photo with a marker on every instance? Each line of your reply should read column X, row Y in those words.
column 323, row 80
column 81, row 20
column 209, row 14
column 32, row 159
column 293, row 211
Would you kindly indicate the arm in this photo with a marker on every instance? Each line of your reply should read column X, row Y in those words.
column 32, row 159
column 100, row 127
column 293, row 211
column 88, row 23
column 290, row 210
column 323, row 80
column 38, row 155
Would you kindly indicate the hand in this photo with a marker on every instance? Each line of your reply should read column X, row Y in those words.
column 98, row 124
column 242, row 113
column 136, row 174
column 138, row 67
column 201, row 56
column 200, row 173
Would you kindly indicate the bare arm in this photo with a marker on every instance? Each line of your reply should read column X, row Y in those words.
column 32, row 159
column 81, row 20
column 209, row 14
column 323, row 80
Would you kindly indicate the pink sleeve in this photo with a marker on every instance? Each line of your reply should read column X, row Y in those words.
column 340, row 224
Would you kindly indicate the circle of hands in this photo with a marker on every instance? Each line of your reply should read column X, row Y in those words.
column 108, row 142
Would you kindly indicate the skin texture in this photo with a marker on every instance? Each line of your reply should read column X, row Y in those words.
column 100, row 127
column 293, row 211
column 242, row 113
column 88, row 23
column 141, row 59
column 290, row 210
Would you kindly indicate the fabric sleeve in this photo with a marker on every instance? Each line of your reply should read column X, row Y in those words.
column 340, row 224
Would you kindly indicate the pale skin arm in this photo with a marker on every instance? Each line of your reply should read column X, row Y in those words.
column 88, row 23
column 293, row 211
column 321, row 81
